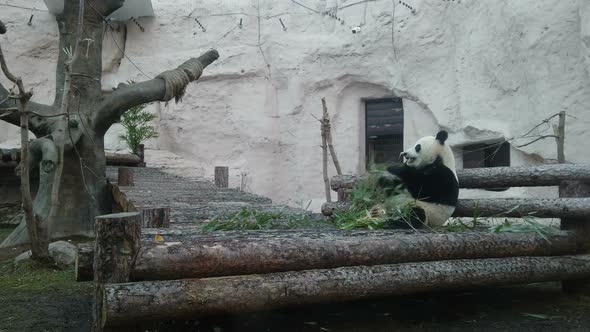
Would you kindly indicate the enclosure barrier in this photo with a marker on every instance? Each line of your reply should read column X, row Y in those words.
column 163, row 274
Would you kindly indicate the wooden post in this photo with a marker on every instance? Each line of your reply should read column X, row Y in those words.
column 222, row 176
column 561, row 138
column 125, row 177
column 328, row 130
column 325, row 156
column 84, row 262
column 141, row 154
column 155, row 218
column 118, row 239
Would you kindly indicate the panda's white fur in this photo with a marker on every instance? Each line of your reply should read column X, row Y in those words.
column 430, row 177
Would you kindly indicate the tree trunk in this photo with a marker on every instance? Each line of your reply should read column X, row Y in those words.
column 83, row 192
column 193, row 256
column 193, row 298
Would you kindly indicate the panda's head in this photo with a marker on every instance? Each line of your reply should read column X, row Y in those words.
column 427, row 150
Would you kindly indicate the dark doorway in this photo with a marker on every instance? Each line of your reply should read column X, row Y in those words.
column 384, row 121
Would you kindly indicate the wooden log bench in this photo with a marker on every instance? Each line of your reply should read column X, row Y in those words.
column 187, row 274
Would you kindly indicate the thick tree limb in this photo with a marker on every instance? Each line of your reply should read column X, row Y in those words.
column 193, row 298
column 158, row 89
column 43, row 155
column 39, row 125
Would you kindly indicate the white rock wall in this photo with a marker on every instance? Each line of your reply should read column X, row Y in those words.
column 483, row 70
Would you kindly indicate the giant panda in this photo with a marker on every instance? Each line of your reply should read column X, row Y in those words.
column 428, row 175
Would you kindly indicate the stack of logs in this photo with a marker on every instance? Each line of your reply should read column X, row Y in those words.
column 162, row 274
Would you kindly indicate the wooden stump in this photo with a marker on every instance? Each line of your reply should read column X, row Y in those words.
column 342, row 195
column 222, row 176
column 155, row 218
column 141, row 154
column 116, row 246
column 125, row 177
column 581, row 227
column 84, row 262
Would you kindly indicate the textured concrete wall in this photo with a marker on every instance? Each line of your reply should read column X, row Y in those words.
column 483, row 70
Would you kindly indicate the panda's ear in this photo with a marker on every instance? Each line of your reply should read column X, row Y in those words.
column 442, row 136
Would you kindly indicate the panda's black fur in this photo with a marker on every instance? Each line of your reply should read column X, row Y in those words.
column 435, row 183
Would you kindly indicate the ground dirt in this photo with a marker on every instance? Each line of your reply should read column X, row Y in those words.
column 34, row 299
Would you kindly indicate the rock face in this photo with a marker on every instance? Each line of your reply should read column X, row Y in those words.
column 483, row 70
column 62, row 252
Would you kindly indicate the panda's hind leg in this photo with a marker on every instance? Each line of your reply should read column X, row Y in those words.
column 416, row 220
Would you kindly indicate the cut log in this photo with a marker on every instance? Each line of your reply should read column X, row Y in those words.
column 579, row 226
column 155, row 218
column 84, row 261
column 506, row 207
column 125, row 177
column 115, row 250
column 537, row 207
column 193, row 298
column 116, row 246
column 498, row 177
column 222, row 176
column 118, row 159
column 236, row 254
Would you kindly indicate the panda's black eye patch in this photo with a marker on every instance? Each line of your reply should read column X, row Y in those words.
column 418, row 148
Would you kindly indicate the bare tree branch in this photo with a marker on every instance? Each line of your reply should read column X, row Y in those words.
column 537, row 139
column 168, row 85
column 36, row 229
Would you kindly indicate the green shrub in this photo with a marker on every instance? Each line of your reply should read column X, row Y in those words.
column 137, row 129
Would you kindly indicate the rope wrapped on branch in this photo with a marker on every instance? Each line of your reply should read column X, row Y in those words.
column 177, row 79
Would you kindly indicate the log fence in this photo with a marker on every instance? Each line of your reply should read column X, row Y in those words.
column 168, row 274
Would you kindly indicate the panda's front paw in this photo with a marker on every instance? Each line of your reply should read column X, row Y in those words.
column 395, row 169
column 388, row 180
